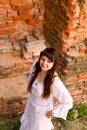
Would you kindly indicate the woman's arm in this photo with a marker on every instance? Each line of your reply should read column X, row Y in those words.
column 65, row 100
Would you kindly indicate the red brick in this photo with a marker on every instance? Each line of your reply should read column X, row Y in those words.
column 16, row 70
column 32, row 22
column 24, row 101
column 73, row 78
column 15, row 2
column 83, row 51
column 21, row 17
column 30, row 17
column 18, row 65
column 65, row 46
column 3, row 14
column 26, row 1
column 82, row 77
column 12, row 13
column 28, row 63
column 10, row 24
column 15, row 53
column 37, row 17
column 77, row 98
column 4, row 1
column 72, row 1
column 2, row 25
column 5, row 18
column 21, row 7
column 40, row 1
column 35, row 57
column 14, row 36
column 71, row 29
column 26, row 69
column 22, row 12
column 5, row 7
column 77, row 92
column 7, row 31
column 75, row 18
column 75, row 6
column 84, row 97
column 41, row 6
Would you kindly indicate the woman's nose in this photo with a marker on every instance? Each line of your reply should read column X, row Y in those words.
column 45, row 62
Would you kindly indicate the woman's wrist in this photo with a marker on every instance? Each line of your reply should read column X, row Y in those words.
column 50, row 114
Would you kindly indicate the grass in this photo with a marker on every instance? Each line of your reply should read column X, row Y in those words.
column 12, row 122
column 78, row 111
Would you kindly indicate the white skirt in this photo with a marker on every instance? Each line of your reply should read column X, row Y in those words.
column 35, row 119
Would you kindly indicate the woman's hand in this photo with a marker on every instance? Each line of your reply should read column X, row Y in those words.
column 49, row 114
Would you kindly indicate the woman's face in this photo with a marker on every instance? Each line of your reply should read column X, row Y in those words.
column 45, row 63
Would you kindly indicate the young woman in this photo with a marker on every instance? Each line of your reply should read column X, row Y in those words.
column 44, row 84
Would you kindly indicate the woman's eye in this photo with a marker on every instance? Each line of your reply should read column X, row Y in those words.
column 42, row 59
column 49, row 61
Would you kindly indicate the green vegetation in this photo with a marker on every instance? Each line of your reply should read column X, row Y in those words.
column 78, row 113
column 11, row 122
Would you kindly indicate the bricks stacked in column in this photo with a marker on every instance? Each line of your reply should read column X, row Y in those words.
column 20, row 17
column 61, row 22
column 73, row 69
column 63, row 26
column 55, row 21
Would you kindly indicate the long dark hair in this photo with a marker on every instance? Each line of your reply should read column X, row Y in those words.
column 52, row 55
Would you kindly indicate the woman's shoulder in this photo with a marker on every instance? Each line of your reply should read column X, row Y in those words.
column 55, row 77
column 55, row 74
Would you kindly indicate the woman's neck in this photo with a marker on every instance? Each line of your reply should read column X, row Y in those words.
column 41, row 76
column 43, row 72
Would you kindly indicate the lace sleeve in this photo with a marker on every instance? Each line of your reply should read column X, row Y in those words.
column 65, row 100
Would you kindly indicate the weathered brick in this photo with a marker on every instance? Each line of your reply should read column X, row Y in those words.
column 12, row 13
column 32, row 22
column 10, row 24
column 73, row 78
column 83, row 76
column 75, row 6
column 2, row 25
column 22, row 7
column 15, row 2
column 27, row 1
column 26, row 69
column 21, row 17
column 3, row 14
column 76, row 92
column 4, row 1
column 7, row 31
column 5, row 7
column 83, row 51
column 71, row 29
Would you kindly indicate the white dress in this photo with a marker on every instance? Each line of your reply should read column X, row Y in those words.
column 34, row 116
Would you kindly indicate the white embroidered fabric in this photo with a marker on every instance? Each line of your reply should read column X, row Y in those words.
column 34, row 116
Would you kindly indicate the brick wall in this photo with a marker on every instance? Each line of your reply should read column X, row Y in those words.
column 20, row 17
column 65, row 29
column 16, row 59
column 21, row 39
